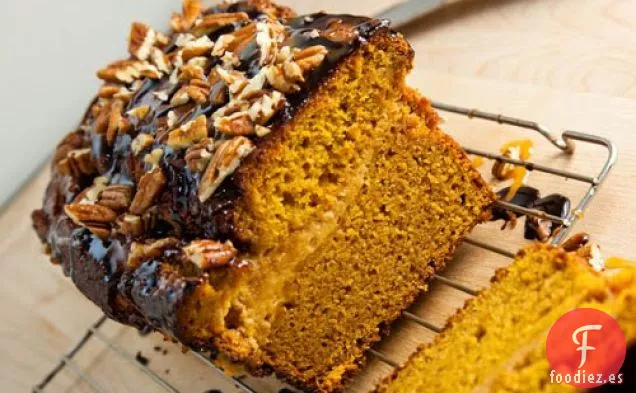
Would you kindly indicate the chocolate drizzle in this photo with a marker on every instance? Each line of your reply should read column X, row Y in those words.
column 535, row 228
column 150, row 293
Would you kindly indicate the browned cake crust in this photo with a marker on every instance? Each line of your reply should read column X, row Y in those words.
column 154, row 210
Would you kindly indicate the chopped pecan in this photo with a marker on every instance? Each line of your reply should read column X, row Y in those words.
column 235, row 80
column 72, row 141
column 265, row 106
column 95, row 218
column 109, row 90
column 116, row 197
column 91, row 194
column 154, row 157
column 145, row 251
column 160, row 60
column 77, row 162
column 150, row 185
column 131, row 225
column 268, row 36
column 199, row 47
column 279, row 81
column 189, row 133
column 213, row 22
column 226, row 159
column 221, row 44
column 114, row 121
column 141, row 142
column 229, row 60
column 190, row 72
column 140, row 112
column 191, row 11
column 141, row 40
column 241, row 38
column 311, row 57
column 127, row 71
column 195, row 93
column 208, row 254
column 261, row 131
column 198, row 155
column 238, row 123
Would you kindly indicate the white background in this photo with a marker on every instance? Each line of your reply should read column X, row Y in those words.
column 50, row 51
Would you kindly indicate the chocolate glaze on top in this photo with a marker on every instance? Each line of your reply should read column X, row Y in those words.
column 150, row 294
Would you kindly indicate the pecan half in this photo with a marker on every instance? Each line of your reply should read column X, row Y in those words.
column 191, row 11
column 226, row 159
column 189, row 133
column 145, row 251
column 198, row 155
column 268, row 37
column 208, row 254
column 77, row 162
column 116, row 197
column 95, row 218
column 114, row 121
column 150, row 185
column 213, row 22
column 141, row 40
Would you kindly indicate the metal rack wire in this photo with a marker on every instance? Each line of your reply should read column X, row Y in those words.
column 565, row 142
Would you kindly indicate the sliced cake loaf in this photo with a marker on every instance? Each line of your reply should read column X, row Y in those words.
column 263, row 185
column 497, row 343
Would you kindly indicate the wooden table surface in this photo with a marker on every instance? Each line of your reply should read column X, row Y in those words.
column 569, row 64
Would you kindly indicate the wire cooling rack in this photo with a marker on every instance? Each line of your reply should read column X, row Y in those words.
column 565, row 142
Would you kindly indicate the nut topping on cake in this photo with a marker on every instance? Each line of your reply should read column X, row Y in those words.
column 77, row 162
column 191, row 11
column 141, row 251
column 95, row 218
column 189, row 133
column 141, row 142
column 226, row 159
column 116, row 197
column 208, row 254
column 198, row 155
column 213, row 22
column 150, row 185
column 141, row 41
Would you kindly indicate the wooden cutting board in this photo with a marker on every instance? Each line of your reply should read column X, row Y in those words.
column 567, row 64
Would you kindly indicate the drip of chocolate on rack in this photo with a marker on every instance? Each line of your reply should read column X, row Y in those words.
column 535, row 228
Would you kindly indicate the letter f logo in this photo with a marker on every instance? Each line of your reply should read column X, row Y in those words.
column 583, row 344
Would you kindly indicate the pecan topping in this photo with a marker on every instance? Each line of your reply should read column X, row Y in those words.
column 198, row 155
column 131, row 225
column 213, row 22
column 144, row 251
column 189, row 133
column 226, row 159
column 116, row 197
column 91, row 194
column 191, row 11
column 139, row 112
column 141, row 40
column 72, row 141
column 160, row 60
column 154, row 157
column 141, row 142
column 268, row 36
column 127, row 71
column 77, row 162
column 195, row 48
column 208, row 254
column 192, row 92
column 310, row 58
column 238, row 123
column 114, row 121
column 150, row 185
column 95, row 218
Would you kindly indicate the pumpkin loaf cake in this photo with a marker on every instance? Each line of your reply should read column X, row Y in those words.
column 497, row 342
column 262, row 185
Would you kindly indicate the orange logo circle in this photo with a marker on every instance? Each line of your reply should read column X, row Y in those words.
column 586, row 348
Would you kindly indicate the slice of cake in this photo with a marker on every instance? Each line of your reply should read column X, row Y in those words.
column 497, row 342
column 260, row 184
